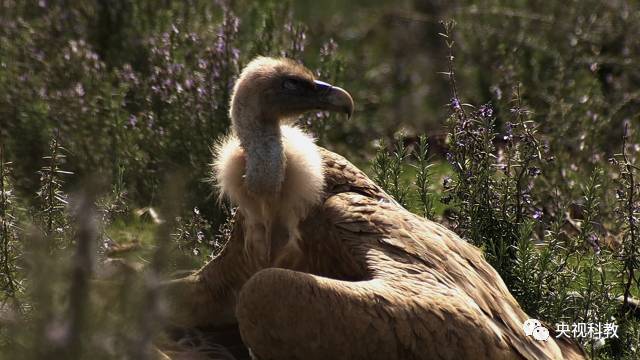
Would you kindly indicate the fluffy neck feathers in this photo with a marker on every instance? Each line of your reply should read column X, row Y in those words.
column 263, row 160
column 302, row 174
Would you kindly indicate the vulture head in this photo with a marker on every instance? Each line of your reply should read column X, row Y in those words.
column 275, row 89
column 269, row 91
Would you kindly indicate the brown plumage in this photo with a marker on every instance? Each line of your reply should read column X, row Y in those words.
column 349, row 274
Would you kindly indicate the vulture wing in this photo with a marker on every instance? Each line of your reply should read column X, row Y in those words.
column 379, row 282
column 371, row 281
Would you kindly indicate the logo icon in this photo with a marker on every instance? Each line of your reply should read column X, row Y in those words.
column 541, row 333
column 530, row 325
column 533, row 327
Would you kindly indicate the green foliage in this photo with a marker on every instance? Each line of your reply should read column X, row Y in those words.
column 191, row 234
column 389, row 167
column 9, row 244
column 500, row 196
column 52, row 200
column 424, row 178
column 627, row 209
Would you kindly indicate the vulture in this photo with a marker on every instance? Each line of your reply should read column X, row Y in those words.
column 323, row 264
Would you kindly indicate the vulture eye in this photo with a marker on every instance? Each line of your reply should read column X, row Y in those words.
column 291, row 84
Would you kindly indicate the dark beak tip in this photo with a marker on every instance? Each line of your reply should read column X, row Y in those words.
column 349, row 105
column 349, row 112
column 335, row 98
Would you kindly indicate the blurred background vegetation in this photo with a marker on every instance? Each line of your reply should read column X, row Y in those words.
column 517, row 127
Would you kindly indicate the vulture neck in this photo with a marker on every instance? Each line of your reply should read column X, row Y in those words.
column 261, row 140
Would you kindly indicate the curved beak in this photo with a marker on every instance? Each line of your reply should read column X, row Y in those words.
column 333, row 98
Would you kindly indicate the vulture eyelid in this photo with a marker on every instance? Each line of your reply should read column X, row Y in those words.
column 291, row 84
column 297, row 84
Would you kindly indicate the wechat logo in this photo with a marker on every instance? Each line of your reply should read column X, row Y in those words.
column 533, row 327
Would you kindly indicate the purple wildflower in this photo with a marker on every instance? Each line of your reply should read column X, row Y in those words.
column 534, row 171
column 446, row 182
column 329, row 48
column 537, row 214
column 594, row 241
column 486, row 111
column 455, row 104
column 509, row 129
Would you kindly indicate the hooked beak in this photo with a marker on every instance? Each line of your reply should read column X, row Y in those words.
column 333, row 98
